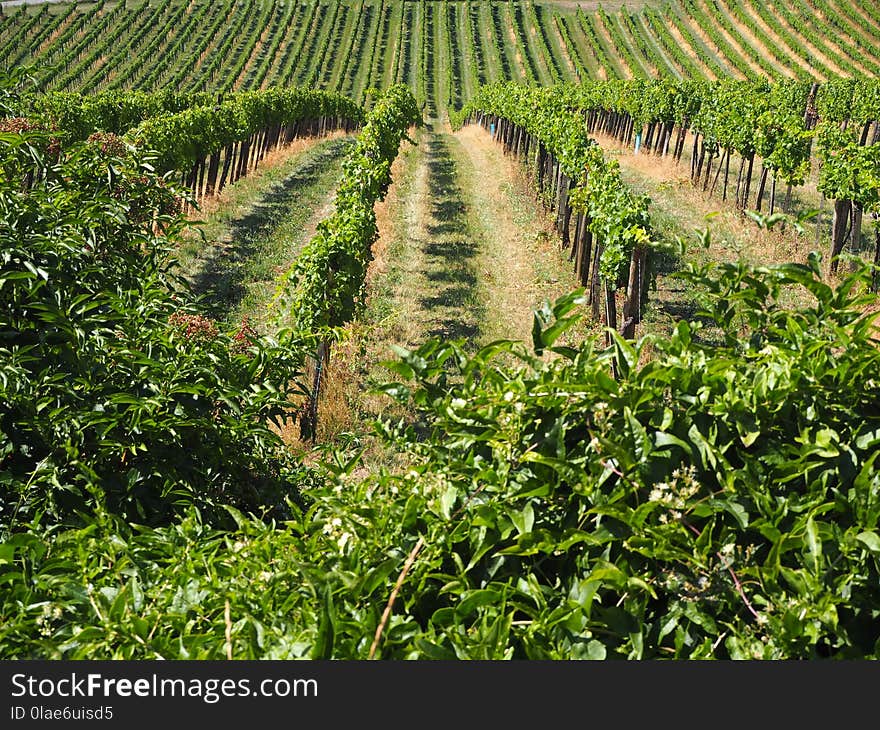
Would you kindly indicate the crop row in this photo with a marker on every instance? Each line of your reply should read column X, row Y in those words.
column 332, row 45
column 788, row 125
column 602, row 222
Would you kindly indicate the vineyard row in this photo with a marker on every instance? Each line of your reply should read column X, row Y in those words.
column 443, row 50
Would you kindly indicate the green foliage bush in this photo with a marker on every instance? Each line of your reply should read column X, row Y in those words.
column 115, row 393
column 719, row 500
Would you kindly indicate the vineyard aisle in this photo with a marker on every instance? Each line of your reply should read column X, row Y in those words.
column 464, row 250
column 679, row 211
column 254, row 231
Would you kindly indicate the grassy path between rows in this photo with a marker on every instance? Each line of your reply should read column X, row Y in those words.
column 464, row 253
column 254, row 231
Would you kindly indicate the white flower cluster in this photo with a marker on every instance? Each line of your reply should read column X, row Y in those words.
column 676, row 493
column 333, row 529
column 50, row 613
column 331, row 525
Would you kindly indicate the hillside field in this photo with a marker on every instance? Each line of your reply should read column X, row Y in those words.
column 442, row 50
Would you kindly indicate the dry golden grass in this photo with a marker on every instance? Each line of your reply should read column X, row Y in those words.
column 334, row 413
column 289, row 430
column 345, row 402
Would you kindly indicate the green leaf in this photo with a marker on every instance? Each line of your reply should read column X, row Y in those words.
column 323, row 647
column 663, row 439
column 609, row 573
column 814, row 544
column 141, row 626
column 522, row 520
column 472, row 600
column 705, row 449
column 236, row 515
column 378, row 575
column 870, row 540
column 555, row 330
column 447, row 500
column 430, row 650
column 443, row 617
column 596, row 650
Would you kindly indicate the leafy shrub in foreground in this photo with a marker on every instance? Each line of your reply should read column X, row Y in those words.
column 715, row 501
column 108, row 394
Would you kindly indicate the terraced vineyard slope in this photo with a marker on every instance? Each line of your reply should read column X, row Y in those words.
column 442, row 50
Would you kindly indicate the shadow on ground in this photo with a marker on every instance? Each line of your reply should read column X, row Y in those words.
column 450, row 251
column 225, row 269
